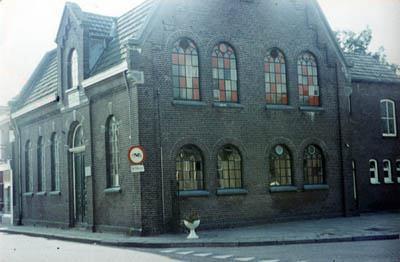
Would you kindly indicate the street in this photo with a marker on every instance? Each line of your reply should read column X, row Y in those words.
column 24, row 248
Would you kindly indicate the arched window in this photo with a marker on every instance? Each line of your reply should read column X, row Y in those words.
column 224, row 74
column 189, row 169
column 313, row 166
column 308, row 80
column 229, row 167
column 281, row 167
column 55, row 162
column 28, row 167
column 398, row 170
column 73, row 70
column 185, row 70
column 275, row 77
column 41, row 165
column 387, row 172
column 388, row 117
column 112, row 152
column 373, row 171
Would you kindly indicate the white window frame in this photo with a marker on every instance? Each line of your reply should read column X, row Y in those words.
column 74, row 70
column 398, row 170
column 387, row 170
column 374, row 180
column 387, row 119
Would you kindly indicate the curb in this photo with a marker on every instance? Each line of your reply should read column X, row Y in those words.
column 205, row 244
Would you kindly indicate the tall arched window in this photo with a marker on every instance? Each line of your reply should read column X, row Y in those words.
column 41, row 165
column 55, row 162
column 73, row 70
column 388, row 117
column 224, row 74
column 308, row 80
column 373, row 172
column 28, row 167
column 313, row 166
column 275, row 77
column 185, row 70
column 229, row 167
column 112, row 152
column 281, row 167
column 189, row 169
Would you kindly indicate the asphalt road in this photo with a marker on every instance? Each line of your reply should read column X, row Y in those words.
column 24, row 248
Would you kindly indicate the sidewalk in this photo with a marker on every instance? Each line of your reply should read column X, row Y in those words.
column 366, row 227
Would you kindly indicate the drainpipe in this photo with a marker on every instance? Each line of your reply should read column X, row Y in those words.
column 18, row 135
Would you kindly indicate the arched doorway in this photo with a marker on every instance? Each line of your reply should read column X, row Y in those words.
column 77, row 169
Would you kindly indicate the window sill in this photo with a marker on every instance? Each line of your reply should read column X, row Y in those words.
column 374, row 182
column 279, row 107
column 389, row 135
column 312, row 108
column 188, row 103
column 389, row 181
column 54, row 193
column 276, row 189
column 112, row 190
column 315, row 187
column 193, row 193
column 43, row 193
column 231, row 191
column 228, row 105
column 28, row 194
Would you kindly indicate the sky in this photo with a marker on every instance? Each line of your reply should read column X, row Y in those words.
column 28, row 29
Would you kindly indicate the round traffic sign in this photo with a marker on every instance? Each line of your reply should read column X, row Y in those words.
column 136, row 155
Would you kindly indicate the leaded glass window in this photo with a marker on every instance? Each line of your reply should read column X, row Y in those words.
column 224, row 72
column 73, row 74
column 41, row 165
column 229, row 167
column 280, row 167
column 185, row 70
column 313, row 166
column 55, row 162
column 308, row 80
column 388, row 117
column 112, row 151
column 28, row 167
column 275, row 77
column 189, row 169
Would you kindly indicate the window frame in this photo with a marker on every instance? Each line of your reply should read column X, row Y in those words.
column 375, row 179
column 387, row 119
column 321, row 168
column 55, row 162
column 28, row 167
column 231, row 177
column 73, row 69
column 113, row 160
column 41, row 162
column 196, row 153
column 283, row 157
column 301, row 74
column 267, row 72
column 398, row 170
column 388, row 179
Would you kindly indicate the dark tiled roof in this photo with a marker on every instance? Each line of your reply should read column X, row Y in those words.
column 98, row 25
column 129, row 25
column 366, row 68
column 44, row 80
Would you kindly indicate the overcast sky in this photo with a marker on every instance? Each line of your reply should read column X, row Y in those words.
column 28, row 29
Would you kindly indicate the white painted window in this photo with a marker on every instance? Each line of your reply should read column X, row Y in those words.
column 373, row 171
column 388, row 118
column 73, row 70
column 398, row 170
column 387, row 171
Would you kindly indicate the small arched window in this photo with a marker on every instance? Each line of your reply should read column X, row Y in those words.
column 387, row 172
column 398, row 170
column 28, row 167
column 73, row 70
column 55, row 162
column 224, row 74
column 308, row 80
column 275, row 77
column 388, row 117
column 281, row 167
column 112, row 152
column 313, row 166
column 189, row 169
column 229, row 167
column 185, row 70
column 373, row 171
column 41, row 165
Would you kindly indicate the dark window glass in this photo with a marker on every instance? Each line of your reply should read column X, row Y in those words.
column 28, row 167
column 308, row 80
column 189, row 169
column 275, row 78
column 280, row 167
column 40, row 166
column 313, row 165
column 229, row 168
column 54, row 162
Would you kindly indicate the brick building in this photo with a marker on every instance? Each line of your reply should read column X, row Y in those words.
column 241, row 106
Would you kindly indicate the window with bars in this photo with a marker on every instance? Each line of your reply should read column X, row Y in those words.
column 189, row 169
column 308, row 80
column 229, row 168
column 41, row 165
column 55, row 162
column 28, row 167
column 73, row 70
column 275, row 77
column 224, row 70
column 281, row 167
column 313, row 166
column 373, row 172
column 387, row 172
column 388, row 117
column 185, row 70
column 112, row 152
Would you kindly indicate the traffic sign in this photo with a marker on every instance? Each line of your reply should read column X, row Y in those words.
column 136, row 155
